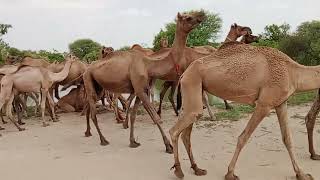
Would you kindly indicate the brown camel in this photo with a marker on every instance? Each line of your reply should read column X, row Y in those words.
column 134, row 71
column 260, row 76
column 197, row 52
column 74, row 101
column 31, row 79
column 76, row 70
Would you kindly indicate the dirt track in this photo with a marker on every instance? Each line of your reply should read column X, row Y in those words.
column 61, row 152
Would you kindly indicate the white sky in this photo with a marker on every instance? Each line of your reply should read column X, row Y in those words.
column 53, row 24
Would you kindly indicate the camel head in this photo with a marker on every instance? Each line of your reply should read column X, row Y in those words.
column 105, row 51
column 188, row 21
column 12, row 59
column 70, row 57
column 240, row 30
column 164, row 42
column 249, row 38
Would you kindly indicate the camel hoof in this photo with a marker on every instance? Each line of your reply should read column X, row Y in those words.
column 125, row 125
column 134, row 144
column 45, row 124
column 198, row 171
column 304, row 177
column 21, row 123
column 56, row 120
column 104, row 142
column 4, row 122
column 169, row 149
column 87, row 134
column 22, row 129
column 178, row 172
column 231, row 177
column 1, row 128
column 315, row 157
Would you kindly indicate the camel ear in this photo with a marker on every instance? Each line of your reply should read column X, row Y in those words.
column 235, row 25
column 179, row 15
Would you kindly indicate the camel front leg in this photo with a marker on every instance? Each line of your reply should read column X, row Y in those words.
column 36, row 100
column 18, row 108
column 156, row 119
column 9, row 112
column 258, row 115
column 310, row 120
column 133, row 143
column 43, row 106
column 129, row 101
column 51, row 106
column 206, row 103
column 1, row 114
column 88, row 131
column 165, row 88
column 173, row 88
column 286, row 137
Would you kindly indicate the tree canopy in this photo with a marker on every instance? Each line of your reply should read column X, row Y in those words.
column 85, row 49
column 205, row 34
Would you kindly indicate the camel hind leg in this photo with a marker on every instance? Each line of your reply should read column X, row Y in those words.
column 133, row 143
column 126, row 121
column 9, row 112
column 310, row 120
column 91, row 98
column 191, row 90
column 165, row 88
column 170, row 97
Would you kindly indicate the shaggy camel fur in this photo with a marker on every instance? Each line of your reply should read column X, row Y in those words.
column 31, row 79
column 235, row 32
column 134, row 71
column 260, row 76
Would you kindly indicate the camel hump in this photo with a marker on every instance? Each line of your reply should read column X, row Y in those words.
column 9, row 69
column 231, row 43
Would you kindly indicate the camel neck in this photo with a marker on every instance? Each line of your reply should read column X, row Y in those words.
column 161, row 69
column 179, row 45
column 308, row 78
column 232, row 36
column 60, row 76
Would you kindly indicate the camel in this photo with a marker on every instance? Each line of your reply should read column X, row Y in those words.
column 260, row 76
column 31, row 79
column 235, row 32
column 134, row 71
column 74, row 101
column 249, row 38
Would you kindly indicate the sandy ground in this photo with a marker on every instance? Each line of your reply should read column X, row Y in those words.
column 61, row 152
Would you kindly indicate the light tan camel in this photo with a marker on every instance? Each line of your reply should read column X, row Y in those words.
column 31, row 79
column 134, row 71
column 260, row 76
column 195, row 53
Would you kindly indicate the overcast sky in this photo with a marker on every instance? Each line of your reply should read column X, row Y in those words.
column 53, row 24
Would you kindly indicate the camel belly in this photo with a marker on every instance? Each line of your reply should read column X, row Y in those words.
column 240, row 84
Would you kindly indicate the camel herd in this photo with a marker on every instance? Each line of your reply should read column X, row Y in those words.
column 260, row 76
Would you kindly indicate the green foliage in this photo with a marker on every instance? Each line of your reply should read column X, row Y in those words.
column 273, row 35
column 238, row 111
column 124, row 48
column 85, row 49
column 205, row 34
column 302, row 97
column 4, row 28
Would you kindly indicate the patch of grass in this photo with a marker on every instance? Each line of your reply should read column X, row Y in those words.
column 302, row 97
column 237, row 112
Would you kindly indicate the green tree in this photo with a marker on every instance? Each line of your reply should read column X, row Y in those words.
column 205, row 34
column 3, row 45
column 82, row 47
column 273, row 35
column 124, row 48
